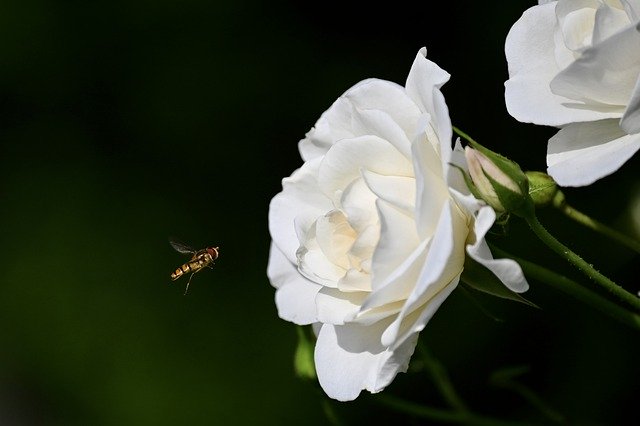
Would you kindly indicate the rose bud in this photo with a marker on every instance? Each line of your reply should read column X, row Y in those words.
column 499, row 181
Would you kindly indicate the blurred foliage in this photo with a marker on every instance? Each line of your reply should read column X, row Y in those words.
column 124, row 123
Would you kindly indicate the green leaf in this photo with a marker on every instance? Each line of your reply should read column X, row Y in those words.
column 479, row 278
column 303, row 362
column 477, row 303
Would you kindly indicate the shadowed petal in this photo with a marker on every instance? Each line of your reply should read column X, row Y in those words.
column 441, row 269
column 342, row 164
column 582, row 153
column 603, row 74
column 630, row 122
column 295, row 297
column 337, row 307
column 398, row 238
column 350, row 359
column 301, row 201
column 507, row 270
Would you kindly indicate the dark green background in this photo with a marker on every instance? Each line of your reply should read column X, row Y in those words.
column 125, row 122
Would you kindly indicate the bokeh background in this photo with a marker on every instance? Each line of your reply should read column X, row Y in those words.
column 125, row 122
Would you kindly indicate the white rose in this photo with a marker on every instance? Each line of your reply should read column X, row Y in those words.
column 369, row 234
column 575, row 64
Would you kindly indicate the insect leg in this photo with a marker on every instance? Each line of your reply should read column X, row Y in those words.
column 189, row 282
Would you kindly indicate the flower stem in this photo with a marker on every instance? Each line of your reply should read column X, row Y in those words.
column 443, row 416
column 330, row 413
column 441, row 379
column 580, row 263
column 462, row 134
column 572, row 288
column 560, row 202
column 506, row 378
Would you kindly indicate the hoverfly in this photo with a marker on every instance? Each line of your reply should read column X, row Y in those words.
column 200, row 259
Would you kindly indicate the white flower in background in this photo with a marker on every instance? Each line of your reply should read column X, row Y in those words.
column 575, row 64
column 369, row 235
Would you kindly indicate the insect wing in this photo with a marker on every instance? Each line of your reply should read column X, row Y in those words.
column 180, row 247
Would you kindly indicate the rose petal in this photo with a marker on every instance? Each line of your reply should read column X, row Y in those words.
column 582, row 153
column 530, row 52
column 417, row 320
column 576, row 21
column 314, row 264
column 398, row 238
column 446, row 253
column 608, row 21
column 441, row 268
column 454, row 176
column 299, row 200
column 350, row 359
column 397, row 190
column 295, row 295
column 337, row 307
column 444, row 129
column 507, row 270
column 630, row 122
column 337, row 122
column 381, row 124
column 398, row 284
column 279, row 267
column 364, row 246
column 427, row 145
column 335, row 237
column 467, row 203
column 359, row 204
column 431, row 190
column 343, row 162
column 632, row 8
column 334, row 125
column 423, row 86
column 605, row 73
column 355, row 280
column 387, row 97
column 373, row 315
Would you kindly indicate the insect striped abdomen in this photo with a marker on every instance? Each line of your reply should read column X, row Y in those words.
column 183, row 269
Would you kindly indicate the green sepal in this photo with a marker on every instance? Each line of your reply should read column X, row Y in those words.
column 479, row 278
column 542, row 188
column 519, row 204
column 303, row 363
